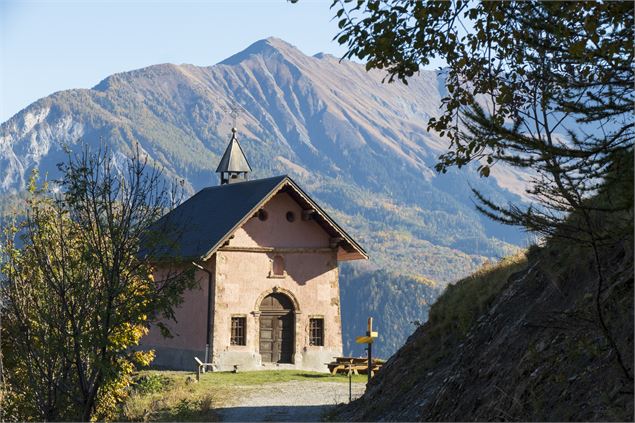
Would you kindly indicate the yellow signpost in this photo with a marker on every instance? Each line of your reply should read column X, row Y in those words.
column 368, row 339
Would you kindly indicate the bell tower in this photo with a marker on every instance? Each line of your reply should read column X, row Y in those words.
column 233, row 166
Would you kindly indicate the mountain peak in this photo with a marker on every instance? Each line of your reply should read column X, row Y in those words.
column 270, row 45
column 276, row 42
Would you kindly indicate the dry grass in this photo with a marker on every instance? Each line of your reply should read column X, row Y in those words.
column 171, row 396
column 463, row 303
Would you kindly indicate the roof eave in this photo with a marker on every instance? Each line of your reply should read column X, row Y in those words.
column 362, row 254
column 358, row 248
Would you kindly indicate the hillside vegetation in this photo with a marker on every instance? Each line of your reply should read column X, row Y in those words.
column 520, row 340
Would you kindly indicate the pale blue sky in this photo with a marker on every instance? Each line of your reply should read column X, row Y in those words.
column 47, row 46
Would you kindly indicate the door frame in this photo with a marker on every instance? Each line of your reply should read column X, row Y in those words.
column 275, row 317
column 294, row 315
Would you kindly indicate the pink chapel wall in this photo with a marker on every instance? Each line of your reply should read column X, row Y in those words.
column 187, row 329
column 242, row 278
column 277, row 231
column 310, row 279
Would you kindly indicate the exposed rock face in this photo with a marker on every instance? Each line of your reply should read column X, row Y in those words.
column 27, row 140
column 536, row 354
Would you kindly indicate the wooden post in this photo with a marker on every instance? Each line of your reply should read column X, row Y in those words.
column 370, row 348
column 350, row 383
column 368, row 339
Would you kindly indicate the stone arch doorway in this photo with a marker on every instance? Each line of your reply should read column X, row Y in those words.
column 277, row 328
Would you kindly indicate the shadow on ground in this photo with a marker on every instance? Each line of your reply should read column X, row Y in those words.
column 275, row 413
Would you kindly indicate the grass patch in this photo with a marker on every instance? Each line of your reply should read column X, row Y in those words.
column 464, row 302
column 176, row 396
column 460, row 306
column 216, row 379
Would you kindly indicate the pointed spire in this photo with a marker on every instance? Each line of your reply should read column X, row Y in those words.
column 233, row 166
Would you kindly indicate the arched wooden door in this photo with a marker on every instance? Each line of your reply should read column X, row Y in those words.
column 276, row 329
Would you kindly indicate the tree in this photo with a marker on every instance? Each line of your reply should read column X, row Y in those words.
column 77, row 291
column 544, row 86
column 540, row 85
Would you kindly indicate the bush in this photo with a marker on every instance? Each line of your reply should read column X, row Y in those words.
column 150, row 384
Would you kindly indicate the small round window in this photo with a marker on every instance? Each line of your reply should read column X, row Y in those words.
column 262, row 215
column 290, row 216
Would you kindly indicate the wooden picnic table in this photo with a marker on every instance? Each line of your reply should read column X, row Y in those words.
column 355, row 364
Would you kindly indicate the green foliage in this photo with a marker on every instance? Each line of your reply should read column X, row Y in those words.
column 77, row 294
column 150, row 383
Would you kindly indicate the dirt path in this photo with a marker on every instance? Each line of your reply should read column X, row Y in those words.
column 298, row 401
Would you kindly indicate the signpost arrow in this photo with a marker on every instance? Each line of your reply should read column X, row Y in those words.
column 368, row 339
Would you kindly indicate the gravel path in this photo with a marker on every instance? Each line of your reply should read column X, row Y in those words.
column 297, row 401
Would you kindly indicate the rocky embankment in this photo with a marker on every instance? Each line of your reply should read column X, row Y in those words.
column 518, row 341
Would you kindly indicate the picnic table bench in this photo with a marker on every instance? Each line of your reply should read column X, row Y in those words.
column 354, row 364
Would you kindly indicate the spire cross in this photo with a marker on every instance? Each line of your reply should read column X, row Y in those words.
column 234, row 110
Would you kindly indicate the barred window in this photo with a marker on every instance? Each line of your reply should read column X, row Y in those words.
column 316, row 331
column 238, row 331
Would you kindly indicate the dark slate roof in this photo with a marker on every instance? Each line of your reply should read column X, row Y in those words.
column 233, row 159
column 199, row 226
column 204, row 219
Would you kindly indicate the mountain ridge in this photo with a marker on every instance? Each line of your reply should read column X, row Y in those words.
column 306, row 107
column 360, row 147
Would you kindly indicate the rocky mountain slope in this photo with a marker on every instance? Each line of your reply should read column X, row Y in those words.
column 519, row 341
column 359, row 146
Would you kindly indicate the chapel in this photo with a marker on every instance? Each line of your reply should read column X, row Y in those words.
column 265, row 261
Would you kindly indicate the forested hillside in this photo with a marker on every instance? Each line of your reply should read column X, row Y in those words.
column 397, row 303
